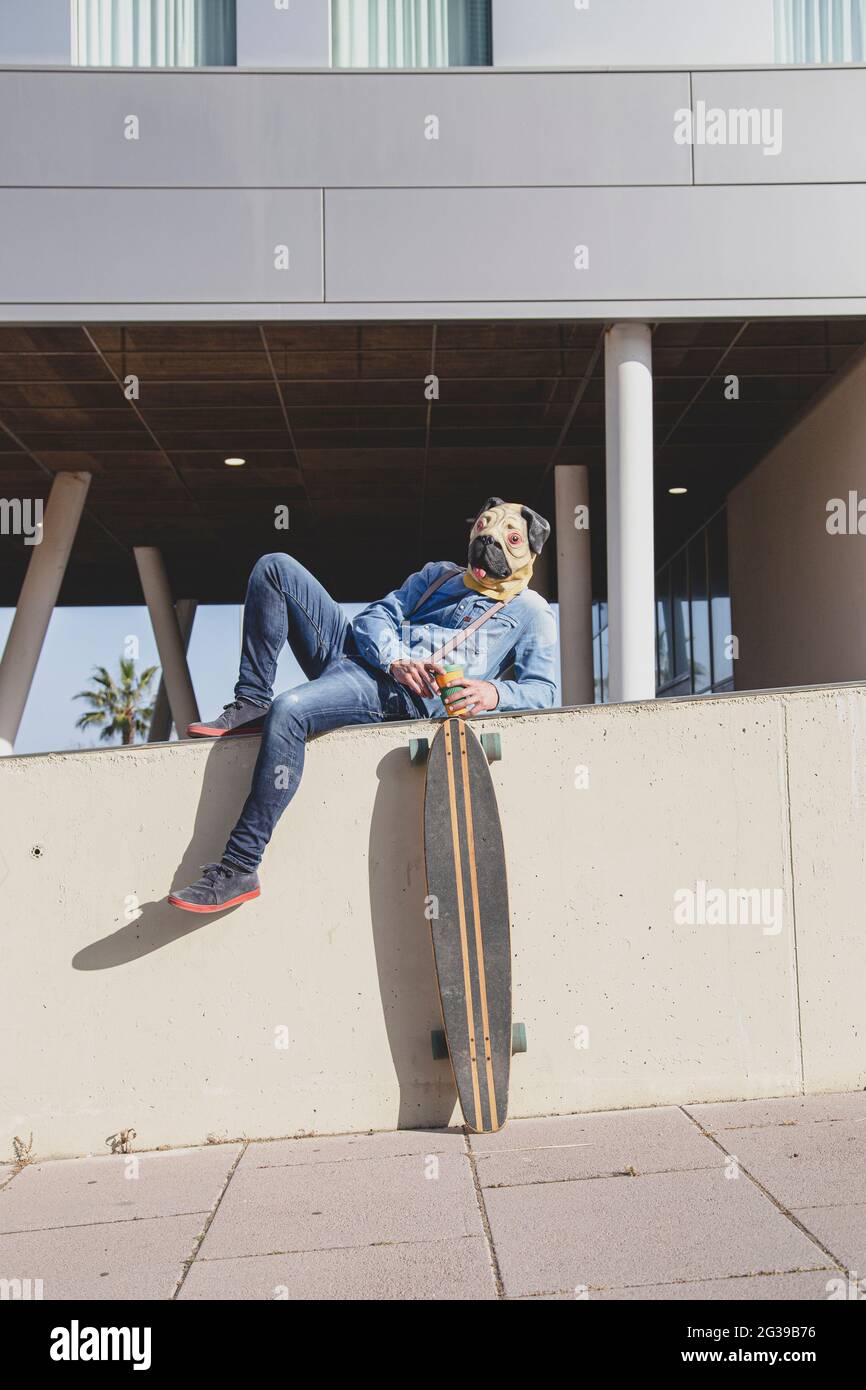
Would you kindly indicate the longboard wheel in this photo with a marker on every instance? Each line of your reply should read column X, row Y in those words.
column 419, row 750
column 518, row 1038
column 492, row 745
column 438, row 1045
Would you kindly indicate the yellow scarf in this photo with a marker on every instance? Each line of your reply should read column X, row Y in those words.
column 503, row 589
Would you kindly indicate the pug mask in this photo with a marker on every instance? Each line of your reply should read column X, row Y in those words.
column 503, row 543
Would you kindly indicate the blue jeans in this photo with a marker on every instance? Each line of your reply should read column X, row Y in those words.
column 284, row 603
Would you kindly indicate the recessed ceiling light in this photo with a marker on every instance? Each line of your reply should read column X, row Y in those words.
column 235, row 463
column 677, row 491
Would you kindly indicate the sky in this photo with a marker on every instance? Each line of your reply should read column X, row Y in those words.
column 79, row 639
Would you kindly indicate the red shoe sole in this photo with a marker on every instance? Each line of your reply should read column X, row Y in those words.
column 219, row 907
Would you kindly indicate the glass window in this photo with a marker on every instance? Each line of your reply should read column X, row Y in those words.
column 154, row 33
column 664, row 648
column 720, row 599
column 819, row 31
column 596, row 669
column 702, row 673
column 599, row 651
column 693, row 615
column 410, row 33
column 682, row 633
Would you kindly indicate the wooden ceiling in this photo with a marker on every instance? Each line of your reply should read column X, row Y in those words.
column 334, row 423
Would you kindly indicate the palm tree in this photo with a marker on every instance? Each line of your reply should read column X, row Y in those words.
column 118, row 706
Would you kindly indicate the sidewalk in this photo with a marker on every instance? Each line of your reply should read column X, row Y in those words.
column 754, row 1200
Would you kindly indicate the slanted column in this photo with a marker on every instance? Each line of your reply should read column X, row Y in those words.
column 45, row 573
column 160, row 724
column 574, row 583
column 172, row 655
column 629, row 472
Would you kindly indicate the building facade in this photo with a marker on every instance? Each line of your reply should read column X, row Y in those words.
column 657, row 211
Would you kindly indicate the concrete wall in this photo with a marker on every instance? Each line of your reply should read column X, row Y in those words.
column 796, row 590
column 167, row 1022
column 483, row 221
column 624, row 33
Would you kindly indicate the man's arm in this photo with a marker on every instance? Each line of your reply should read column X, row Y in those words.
column 534, row 666
column 378, row 628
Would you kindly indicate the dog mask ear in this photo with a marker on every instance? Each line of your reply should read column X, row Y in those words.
column 537, row 529
column 491, row 502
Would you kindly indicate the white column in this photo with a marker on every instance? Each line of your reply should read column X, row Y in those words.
column 42, row 582
column 574, row 583
column 160, row 724
column 172, row 656
column 629, row 471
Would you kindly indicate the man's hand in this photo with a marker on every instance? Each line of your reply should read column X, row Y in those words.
column 471, row 697
column 417, row 676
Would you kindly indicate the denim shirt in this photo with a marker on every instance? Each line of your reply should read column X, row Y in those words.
column 522, row 635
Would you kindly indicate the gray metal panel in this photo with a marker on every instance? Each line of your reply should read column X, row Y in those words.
column 298, row 36
column 341, row 129
column 644, row 243
column 129, row 245
column 822, row 123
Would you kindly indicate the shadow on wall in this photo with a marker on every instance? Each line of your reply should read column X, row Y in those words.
column 159, row 924
column 401, row 933
column 403, row 946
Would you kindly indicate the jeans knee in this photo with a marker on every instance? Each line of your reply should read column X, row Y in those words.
column 288, row 713
column 278, row 564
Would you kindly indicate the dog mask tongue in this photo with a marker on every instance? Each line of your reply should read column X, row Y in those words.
column 503, row 522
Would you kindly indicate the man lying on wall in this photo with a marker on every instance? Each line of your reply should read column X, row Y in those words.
column 381, row 666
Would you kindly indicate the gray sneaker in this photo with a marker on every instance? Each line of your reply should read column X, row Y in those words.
column 221, row 886
column 238, row 717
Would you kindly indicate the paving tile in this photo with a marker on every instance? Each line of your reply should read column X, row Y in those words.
column 448, row 1269
column 77, row 1191
column 749, row 1288
column 320, row 1206
column 753, row 1288
column 843, row 1230
column 582, row 1146
column 808, row 1165
column 786, row 1110
column 342, row 1148
column 124, row 1259
column 660, row 1228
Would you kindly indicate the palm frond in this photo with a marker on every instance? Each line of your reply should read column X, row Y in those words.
column 117, row 707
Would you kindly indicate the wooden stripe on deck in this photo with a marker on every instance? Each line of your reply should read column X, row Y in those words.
column 461, row 911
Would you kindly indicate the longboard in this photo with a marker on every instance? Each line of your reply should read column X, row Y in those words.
column 469, row 919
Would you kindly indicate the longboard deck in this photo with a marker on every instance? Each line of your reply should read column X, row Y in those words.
column 465, row 860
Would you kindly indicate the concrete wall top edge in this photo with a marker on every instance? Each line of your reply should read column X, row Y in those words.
column 656, row 708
